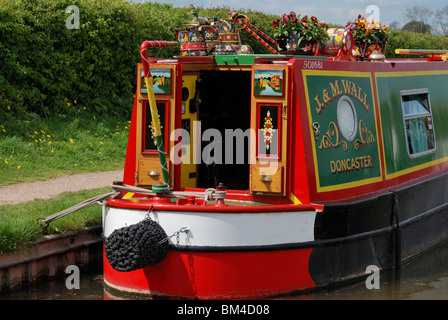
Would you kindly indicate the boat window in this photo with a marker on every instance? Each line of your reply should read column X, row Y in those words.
column 418, row 121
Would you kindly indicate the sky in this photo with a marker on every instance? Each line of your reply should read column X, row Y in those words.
column 329, row 11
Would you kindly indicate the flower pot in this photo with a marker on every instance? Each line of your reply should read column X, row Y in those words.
column 192, row 42
column 365, row 49
column 339, row 39
column 294, row 45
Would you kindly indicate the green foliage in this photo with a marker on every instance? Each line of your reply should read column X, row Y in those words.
column 19, row 228
column 72, row 142
column 45, row 65
column 412, row 40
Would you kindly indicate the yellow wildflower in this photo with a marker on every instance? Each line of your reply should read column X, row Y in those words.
column 6, row 162
column 71, row 141
column 18, row 167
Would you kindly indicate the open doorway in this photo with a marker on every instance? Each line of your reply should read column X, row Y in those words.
column 225, row 104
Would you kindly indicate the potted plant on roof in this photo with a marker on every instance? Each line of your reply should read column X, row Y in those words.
column 370, row 36
column 300, row 36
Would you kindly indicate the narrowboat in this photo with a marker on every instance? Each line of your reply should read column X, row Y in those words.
column 250, row 176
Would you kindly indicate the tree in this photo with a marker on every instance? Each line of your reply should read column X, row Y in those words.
column 418, row 18
column 395, row 25
column 441, row 18
column 417, row 26
column 418, row 13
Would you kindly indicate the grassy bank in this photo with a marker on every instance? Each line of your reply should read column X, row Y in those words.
column 34, row 148
column 19, row 228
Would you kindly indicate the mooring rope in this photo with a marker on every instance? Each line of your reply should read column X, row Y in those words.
column 209, row 195
column 44, row 222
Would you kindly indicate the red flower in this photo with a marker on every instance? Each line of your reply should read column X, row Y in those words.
column 305, row 21
column 275, row 23
column 285, row 19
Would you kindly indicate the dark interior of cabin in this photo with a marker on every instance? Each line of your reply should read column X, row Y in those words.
column 225, row 104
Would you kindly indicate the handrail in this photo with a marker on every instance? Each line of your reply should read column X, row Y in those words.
column 152, row 102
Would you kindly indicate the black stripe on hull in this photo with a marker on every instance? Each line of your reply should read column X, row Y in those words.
column 413, row 220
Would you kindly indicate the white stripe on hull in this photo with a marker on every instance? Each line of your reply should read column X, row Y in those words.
column 221, row 229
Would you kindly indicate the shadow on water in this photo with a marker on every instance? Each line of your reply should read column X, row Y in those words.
column 424, row 278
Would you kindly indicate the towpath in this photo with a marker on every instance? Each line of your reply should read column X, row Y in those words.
column 46, row 189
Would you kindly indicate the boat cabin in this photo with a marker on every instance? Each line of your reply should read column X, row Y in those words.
column 231, row 113
column 300, row 129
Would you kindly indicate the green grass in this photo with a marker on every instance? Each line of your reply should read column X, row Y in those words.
column 19, row 228
column 34, row 148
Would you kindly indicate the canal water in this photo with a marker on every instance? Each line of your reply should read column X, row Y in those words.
column 424, row 278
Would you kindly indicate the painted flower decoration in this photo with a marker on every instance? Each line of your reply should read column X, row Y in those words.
column 153, row 133
column 268, row 130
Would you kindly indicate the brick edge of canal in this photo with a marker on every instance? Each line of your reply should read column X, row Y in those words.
column 49, row 258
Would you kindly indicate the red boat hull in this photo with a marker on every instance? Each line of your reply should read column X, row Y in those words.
column 217, row 275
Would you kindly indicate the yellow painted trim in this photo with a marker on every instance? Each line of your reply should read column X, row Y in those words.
column 283, row 100
column 409, row 73
column 295, row 200
column 389, row 176
column 128, row 195
column 352, row 74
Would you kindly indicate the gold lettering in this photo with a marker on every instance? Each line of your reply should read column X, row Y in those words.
column 365, row 102
column 335, row 88
column 350, row 165
column 327, row 98
column 346, row 85
column 320, row 105
column 353, row 91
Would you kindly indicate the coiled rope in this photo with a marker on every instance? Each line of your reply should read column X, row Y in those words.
column 209, row 195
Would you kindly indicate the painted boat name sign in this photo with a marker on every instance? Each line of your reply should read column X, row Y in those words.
column 349, row 88
column 345, row 146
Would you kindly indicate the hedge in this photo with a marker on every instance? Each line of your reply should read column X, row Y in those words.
column 45, row 66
